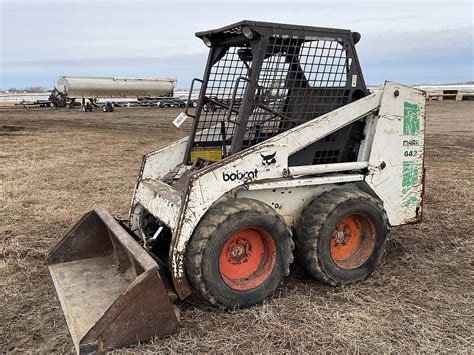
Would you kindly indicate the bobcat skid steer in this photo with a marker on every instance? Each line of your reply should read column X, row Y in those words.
column 289, row 155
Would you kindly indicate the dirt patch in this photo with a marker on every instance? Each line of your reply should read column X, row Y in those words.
column 419, row 300
column 9, row 130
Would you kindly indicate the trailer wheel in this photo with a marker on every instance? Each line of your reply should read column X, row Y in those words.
column 239, row 253
column 105, row 108
column 341, row 236
column 87, row 107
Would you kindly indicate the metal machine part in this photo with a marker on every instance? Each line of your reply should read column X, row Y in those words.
column 278, row 78
column 109, row 287
column 280, row 149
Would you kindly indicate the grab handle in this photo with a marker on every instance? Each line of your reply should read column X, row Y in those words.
column 232, row 100
column 189, row 95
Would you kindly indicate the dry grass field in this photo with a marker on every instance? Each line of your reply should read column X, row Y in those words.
column 55, row 165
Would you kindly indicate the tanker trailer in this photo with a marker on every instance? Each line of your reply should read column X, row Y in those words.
column 93, row 88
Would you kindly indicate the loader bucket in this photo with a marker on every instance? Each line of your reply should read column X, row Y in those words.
column 110, row 288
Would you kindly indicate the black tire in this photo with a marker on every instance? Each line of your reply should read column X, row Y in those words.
column 87, row 107
column 216, row 229
column 318, row 238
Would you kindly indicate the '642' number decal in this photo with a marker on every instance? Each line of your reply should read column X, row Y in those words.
column 410, row 153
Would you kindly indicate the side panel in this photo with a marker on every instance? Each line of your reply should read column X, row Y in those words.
column 396, row 157
column 287, row 201
column 160, row 162
column 155, row 165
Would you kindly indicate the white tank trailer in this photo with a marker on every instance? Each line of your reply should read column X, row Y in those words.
column 108, row 87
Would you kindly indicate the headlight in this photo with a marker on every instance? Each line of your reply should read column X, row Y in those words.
column 207, row 41
column 248, row 32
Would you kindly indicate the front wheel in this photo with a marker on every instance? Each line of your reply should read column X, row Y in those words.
column 239, row 253
column 341, row 236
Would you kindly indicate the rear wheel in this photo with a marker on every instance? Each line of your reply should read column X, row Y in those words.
column 341, row 236
column 239, row 253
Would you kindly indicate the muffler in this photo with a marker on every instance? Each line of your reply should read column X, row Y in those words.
column 110, row 288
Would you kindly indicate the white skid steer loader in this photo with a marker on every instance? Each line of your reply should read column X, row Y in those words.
column 288, row 152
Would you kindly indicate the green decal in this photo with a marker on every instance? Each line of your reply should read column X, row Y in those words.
column 410, row 175
column 409, row 180
column 409, row 201
column 411, row 119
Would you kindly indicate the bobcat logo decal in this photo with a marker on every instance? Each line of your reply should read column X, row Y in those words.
column 268, row 159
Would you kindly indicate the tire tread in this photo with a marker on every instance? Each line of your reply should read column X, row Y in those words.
column 313, row 218
column 211, row 221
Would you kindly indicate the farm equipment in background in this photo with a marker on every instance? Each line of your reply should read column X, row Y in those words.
column 59, row 99
column 80, row 87
column 292, row 152
column 147, row 92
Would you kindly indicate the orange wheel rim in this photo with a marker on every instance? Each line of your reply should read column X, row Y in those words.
column 353, row 241
column 247, row 259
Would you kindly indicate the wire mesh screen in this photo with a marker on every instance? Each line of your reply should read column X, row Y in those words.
column 300, row 79
column 219, row 90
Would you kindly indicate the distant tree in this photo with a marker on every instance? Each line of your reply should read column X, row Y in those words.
column 29, row 89
column 35, row 89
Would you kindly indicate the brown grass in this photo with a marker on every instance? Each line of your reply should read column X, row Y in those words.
column 56, row 165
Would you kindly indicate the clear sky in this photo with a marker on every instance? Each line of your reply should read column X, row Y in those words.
column 417, row 41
